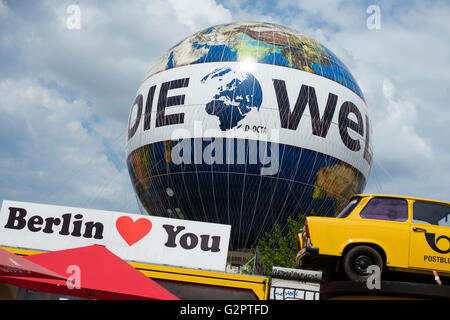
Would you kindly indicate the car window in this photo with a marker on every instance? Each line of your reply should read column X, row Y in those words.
column 431, row 213
column 386, row 209
column 349, row 208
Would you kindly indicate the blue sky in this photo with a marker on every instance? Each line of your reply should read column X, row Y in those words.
column 65, row 94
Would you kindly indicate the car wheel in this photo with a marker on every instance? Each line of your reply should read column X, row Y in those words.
column 357, row 261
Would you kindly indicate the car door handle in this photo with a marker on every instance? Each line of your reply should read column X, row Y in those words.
column 419, row 229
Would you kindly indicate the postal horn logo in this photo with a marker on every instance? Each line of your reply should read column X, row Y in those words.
column 432, row 242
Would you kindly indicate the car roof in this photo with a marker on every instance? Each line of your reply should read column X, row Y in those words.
column 399, row 197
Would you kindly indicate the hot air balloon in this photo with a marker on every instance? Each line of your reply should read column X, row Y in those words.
column 246, row 124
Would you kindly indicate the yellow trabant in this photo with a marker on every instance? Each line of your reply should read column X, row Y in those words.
column 393, row 232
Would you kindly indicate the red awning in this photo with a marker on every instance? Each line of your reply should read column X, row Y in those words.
column 97, row 273
column 14, row 265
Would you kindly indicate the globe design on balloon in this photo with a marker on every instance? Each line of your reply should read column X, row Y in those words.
column 239, row 93
column 248, row 124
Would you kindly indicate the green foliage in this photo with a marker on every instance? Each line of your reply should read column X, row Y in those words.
column 279, row 247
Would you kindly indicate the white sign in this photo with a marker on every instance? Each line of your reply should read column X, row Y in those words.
column 132, row 237
column 295, row 284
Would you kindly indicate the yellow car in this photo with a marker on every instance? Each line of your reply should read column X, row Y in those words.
column 396, row 233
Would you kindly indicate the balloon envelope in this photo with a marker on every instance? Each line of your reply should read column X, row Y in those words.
column 247, row 124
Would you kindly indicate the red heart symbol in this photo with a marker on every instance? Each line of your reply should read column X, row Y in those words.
column 133, row 231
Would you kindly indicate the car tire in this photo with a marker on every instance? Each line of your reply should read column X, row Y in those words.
column 358, row 259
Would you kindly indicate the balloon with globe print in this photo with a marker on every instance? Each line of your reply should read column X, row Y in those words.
column 246, row 124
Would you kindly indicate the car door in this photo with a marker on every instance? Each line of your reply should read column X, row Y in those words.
column 386, row 221
column 430, row 236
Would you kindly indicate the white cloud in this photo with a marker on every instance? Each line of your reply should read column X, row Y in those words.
column 395, row 133
column 3, row 9
column 67, row 97
column 52, row 155
column 200, row 14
